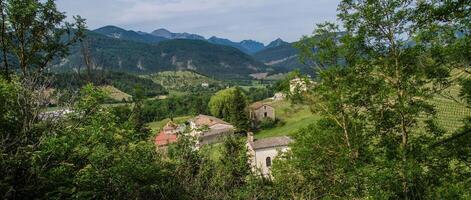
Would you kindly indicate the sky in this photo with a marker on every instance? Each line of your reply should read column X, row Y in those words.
column 261, row 20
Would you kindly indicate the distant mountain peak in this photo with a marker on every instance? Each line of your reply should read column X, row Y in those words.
column 161, row 32
column 276, row 43
column 120, row 33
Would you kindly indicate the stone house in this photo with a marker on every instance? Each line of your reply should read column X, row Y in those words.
column 209, row 130
column 262, row 152
column 259, row 111
column 168, row 134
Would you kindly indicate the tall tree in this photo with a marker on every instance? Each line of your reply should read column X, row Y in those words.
column 386, row 29
column 230, row 104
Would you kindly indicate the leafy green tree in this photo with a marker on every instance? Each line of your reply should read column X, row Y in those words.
column 94, row 156
column 230, row 104
column 32, row 34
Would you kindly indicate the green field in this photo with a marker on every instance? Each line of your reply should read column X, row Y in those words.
column 293, row 116
column 175, row 80
column 115, row 93
column 451, row 110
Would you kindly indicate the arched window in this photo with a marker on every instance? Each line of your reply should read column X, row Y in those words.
column 268, row 161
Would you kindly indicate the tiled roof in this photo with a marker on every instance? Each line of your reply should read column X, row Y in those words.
column 164, row 139
column 257, row 105
column 271, row 142
column 218, row 129
column 202, row 120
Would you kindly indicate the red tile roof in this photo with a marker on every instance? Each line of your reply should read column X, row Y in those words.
column 163, row 139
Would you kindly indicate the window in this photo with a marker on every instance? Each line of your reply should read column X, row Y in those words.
column 268, row 161
column 265, row 107
column 265, row 114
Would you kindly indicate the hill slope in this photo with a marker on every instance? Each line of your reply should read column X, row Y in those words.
column 129, row 56
column 283, row 58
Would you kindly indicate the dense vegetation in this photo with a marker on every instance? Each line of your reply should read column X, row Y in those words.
column 377, row 136
column 122, row 81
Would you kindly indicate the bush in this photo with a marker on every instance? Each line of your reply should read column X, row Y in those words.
column 268, row 123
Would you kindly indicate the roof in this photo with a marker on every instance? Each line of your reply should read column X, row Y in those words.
column 202, row 120
column 164, row 139
column 271, row 142
column 218, row 129
column 258, row 105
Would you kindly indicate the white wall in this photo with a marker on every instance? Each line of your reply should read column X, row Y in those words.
column 259, row 159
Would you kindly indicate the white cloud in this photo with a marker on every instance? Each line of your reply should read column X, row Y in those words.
column 262, row 20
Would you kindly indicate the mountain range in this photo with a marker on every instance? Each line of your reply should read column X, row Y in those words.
column 116, row 49
column 118, row 54
column 247, row 46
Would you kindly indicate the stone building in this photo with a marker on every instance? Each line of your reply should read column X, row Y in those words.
column 209, row 130
column 259, row 111
column 262, row 152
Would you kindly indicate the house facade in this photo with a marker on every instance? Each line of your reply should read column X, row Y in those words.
column 209, row 130
column 262, row 152
column 259, row 111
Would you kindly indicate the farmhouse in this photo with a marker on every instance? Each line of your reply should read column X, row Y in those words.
column 262, row 152
column 259, row 111
column 168, row 135
column 209, row 129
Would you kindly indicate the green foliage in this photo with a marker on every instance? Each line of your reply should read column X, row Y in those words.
column 94, row 156
column 122, row 81
column 230, row 104
column 255, row 94
column 329, row 173
column 175, row 105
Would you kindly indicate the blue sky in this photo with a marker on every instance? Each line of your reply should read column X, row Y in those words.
column 262, row 20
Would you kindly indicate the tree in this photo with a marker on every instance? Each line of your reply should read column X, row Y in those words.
column 33, row 34
column 230, row 104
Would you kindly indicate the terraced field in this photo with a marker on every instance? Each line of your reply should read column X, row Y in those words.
column 451, row 110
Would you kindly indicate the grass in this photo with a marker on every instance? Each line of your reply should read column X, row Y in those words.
column 115, row 93
column 157, row 125
column 174, row 80
column 294, row 117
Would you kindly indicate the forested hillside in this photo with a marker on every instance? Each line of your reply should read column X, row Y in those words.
column 122, row 81
column 136, row 57
column 284, row 58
